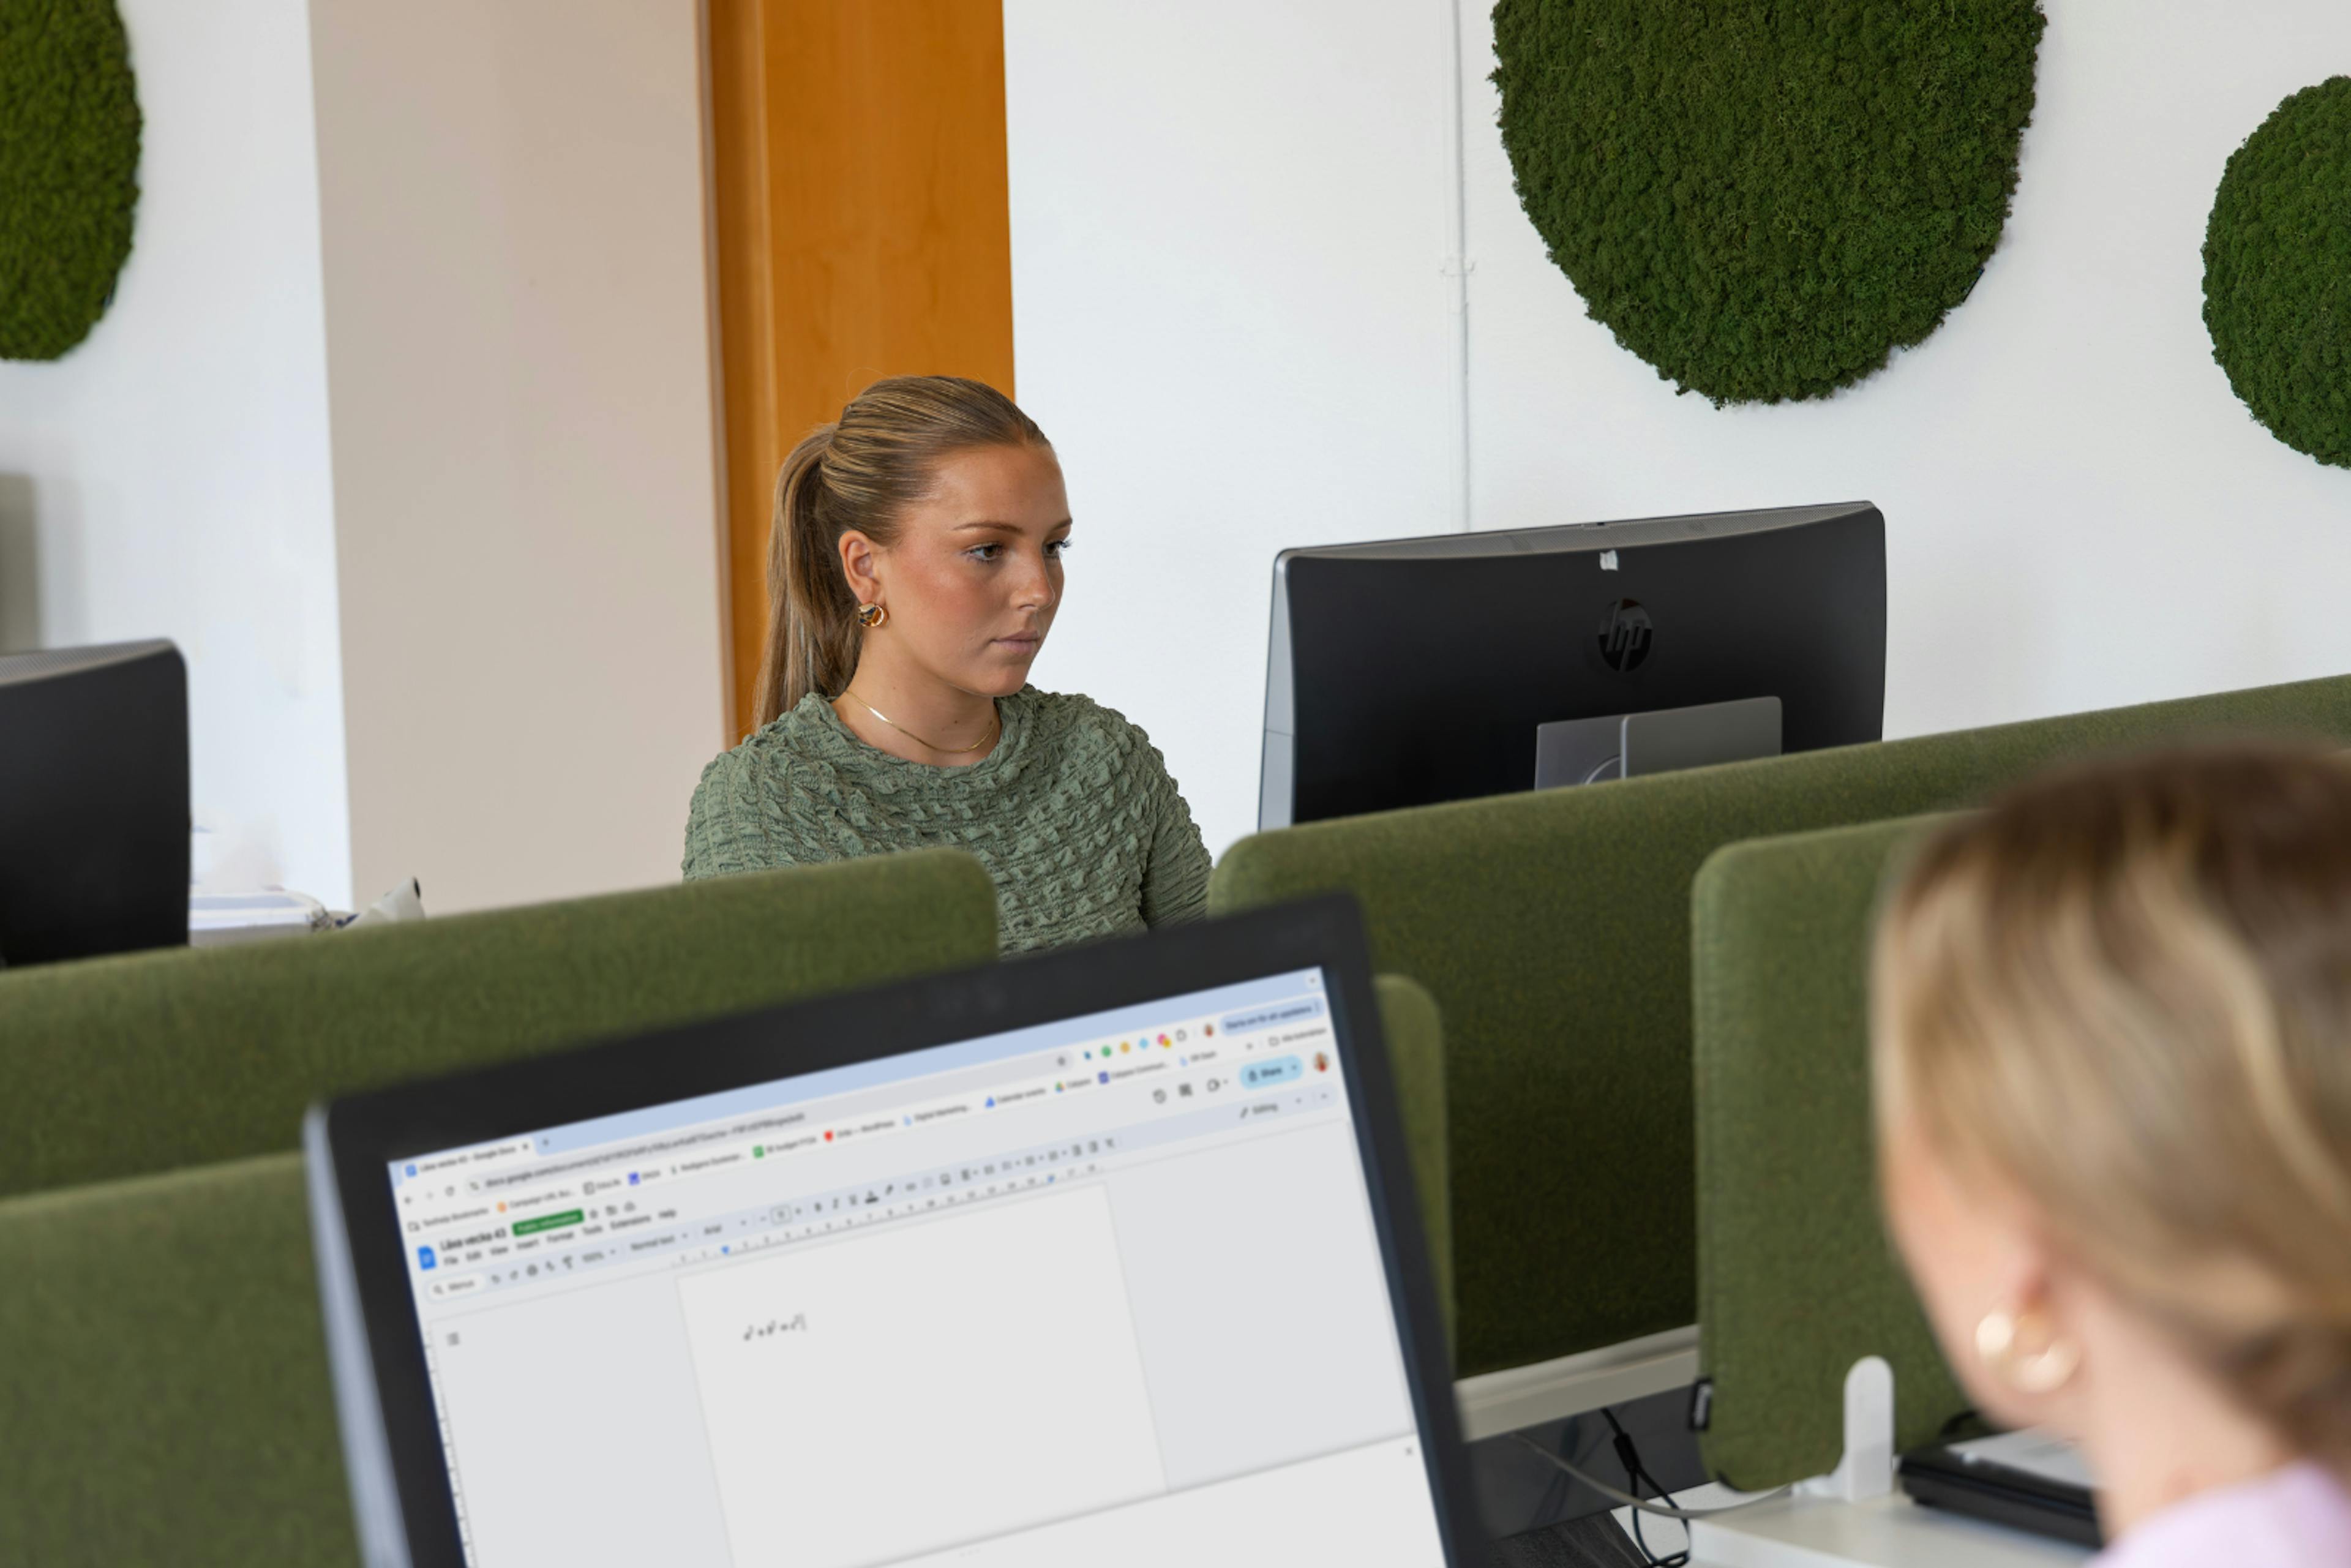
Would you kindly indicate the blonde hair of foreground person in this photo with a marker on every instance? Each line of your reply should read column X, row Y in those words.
column 2113, row 1073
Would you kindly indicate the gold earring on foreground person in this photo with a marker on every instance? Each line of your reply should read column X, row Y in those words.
column 2112, row 1065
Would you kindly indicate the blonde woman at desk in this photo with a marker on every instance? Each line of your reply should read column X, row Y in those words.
column 915, row 570
column 2112, row 1058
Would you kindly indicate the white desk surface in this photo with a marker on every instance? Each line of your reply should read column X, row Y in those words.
column 1885, row 1532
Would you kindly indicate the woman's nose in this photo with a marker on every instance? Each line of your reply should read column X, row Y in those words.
column 1035, row 588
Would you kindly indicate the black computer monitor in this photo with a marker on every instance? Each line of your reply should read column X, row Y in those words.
column 93, row 801
column 1408, row 671
column 1135, row 1217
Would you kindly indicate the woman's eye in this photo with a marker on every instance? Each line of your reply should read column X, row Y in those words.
column 1056, row 549
column 986, row 552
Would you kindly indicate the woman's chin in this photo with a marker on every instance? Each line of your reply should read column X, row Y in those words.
column 1000, row 677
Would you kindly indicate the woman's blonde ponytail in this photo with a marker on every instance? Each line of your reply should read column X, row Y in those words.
column 858, row 474
column 812, row 628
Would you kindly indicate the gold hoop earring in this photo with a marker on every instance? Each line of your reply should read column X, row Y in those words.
column 2043, row 1371
column 872, row 616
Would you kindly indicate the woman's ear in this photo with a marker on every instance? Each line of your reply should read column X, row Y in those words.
column 2026, row 1342
column 858, row 563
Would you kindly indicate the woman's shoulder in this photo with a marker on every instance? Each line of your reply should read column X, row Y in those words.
column 1074, row 716
column 1082, row 728
column 794, row 751
column 763, row 802
column 2298, row 1514
column 799, row 734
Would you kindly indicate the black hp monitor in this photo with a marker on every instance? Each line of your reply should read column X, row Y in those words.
column 1109, row 1255
column 1410, row 671
column 93, row 801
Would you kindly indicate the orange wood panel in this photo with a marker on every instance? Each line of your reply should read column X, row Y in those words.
column 862, row 228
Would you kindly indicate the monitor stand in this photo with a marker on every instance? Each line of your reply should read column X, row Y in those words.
column 1627, row 745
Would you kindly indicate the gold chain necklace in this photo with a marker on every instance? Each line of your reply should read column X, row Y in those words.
column 943, row 750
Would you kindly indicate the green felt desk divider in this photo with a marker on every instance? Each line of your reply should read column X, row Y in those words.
column 1796, row 1278
column 163, row 1389
column 1553, row 930
column 116, row 1067
column 1416, row 1037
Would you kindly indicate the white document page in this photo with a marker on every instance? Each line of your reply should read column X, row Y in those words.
column 991, row 1353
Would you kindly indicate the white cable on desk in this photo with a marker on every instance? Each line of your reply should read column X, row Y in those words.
column 1629, row 1500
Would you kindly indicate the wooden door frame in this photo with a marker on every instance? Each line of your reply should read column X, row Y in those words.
column 860, row 228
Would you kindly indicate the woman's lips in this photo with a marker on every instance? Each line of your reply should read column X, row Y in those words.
column 1021, row 641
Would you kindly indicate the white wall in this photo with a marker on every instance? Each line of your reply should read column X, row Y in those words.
column 525, row 488
column 1228, row 224
column 170, row 476
column 2079, row 512
column 1228, row 221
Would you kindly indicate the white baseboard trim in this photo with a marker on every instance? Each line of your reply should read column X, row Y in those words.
column 1496, row 1402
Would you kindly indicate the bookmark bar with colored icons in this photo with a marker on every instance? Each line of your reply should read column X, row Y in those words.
column 546, row 1250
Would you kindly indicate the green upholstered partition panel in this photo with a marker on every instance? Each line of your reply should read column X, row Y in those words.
column 1796, row 1278
column 113, row 1067
column 163, row 1387
column 163, row 1390
column 1553, row 930
column 1416, row 1037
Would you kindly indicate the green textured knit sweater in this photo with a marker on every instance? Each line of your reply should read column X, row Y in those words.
column 1074, row 814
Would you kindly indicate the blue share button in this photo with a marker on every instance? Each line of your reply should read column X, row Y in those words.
column 1281, row 1070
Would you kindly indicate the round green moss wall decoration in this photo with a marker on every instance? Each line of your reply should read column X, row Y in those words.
column 68, row 170
column 1764, row 199
column 2277, row 272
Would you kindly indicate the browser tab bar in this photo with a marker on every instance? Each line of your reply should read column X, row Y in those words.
column 464, row 1163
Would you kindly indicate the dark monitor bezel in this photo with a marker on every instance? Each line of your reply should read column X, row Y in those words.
column 94, row 821
column 364, row 1271
column 1524, row 554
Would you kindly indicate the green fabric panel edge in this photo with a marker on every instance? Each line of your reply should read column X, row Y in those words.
column 1416, row 1037
column 165, row 1380
column 112, row 1067
column 1797, row 1280
column 1554, row 931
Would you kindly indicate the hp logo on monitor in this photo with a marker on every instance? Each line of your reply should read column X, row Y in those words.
column 1626, row 635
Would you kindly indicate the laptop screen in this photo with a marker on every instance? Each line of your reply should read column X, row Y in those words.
column 1103, row 1289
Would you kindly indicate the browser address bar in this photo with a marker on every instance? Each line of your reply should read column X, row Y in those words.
column 832, row 1109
